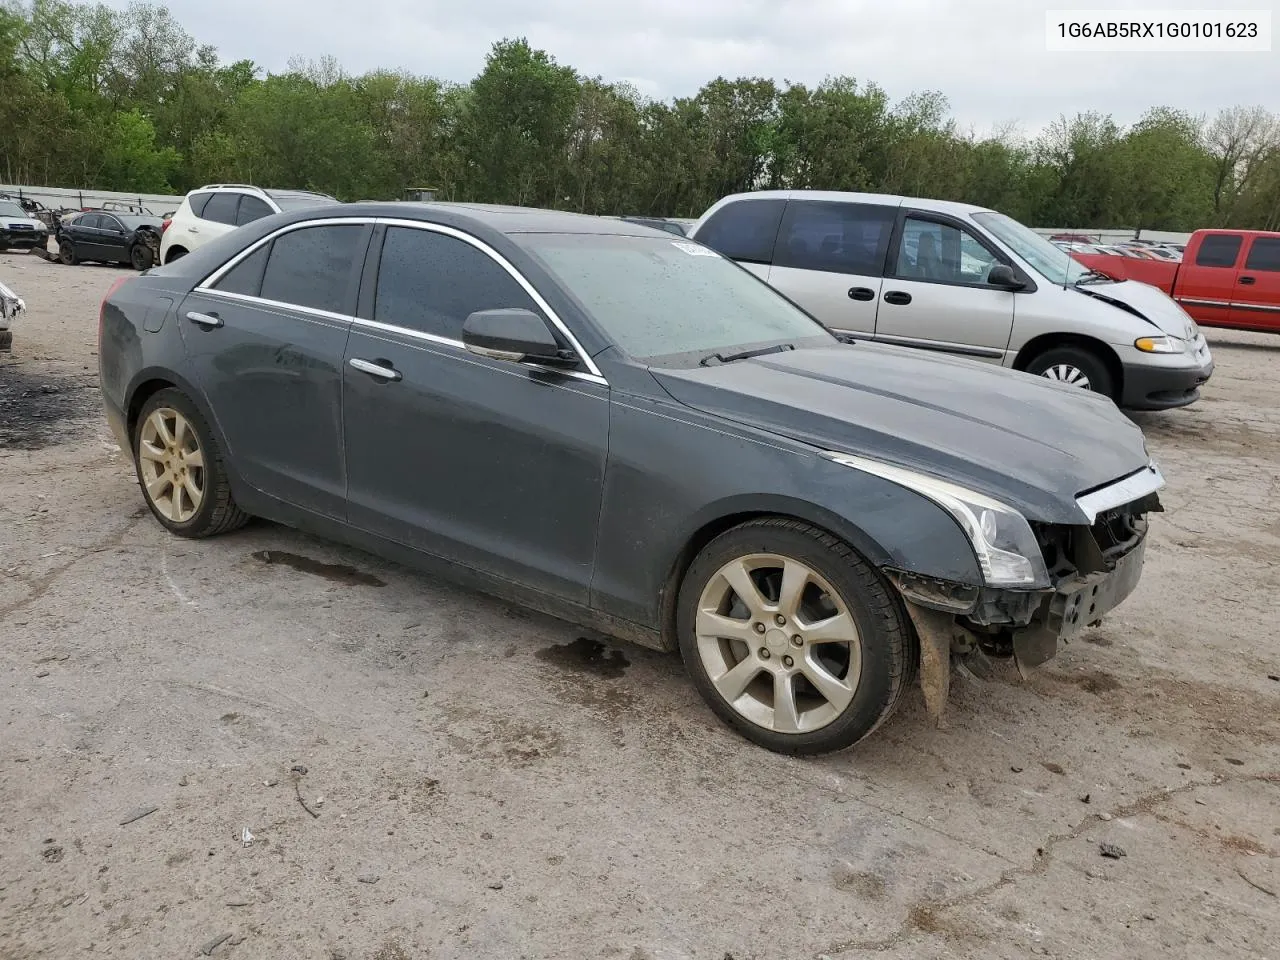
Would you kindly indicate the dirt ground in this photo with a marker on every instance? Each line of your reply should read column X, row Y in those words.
column 429, row 773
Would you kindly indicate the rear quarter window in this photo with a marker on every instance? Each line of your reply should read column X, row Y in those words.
column 744, row 229
column 197, row 203
column 1219, row 250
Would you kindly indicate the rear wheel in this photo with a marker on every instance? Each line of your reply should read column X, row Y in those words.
column 792, row 638
column 180, row 469
column 177, row 253
column 1076, row 367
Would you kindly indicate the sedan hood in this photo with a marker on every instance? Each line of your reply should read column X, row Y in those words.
column 1034, row 444
column 1151, row 303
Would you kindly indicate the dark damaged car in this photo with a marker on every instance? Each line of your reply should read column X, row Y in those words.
column 625, row 429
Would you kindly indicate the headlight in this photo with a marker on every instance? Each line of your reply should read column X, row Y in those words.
column 1002, row 540
column 1160, row 344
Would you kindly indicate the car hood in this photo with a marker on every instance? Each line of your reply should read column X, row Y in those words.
column 1150, row 303
column 1031, row 443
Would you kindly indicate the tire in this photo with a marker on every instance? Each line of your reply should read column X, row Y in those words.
column 1067, row 364
column 67, row 253
column 157, row 465
column 141, row 257
column 709, row 611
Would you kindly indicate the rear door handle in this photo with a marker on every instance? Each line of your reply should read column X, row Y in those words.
column 1248, row 279
column 207, row 320
column 900, row 297
column 861, row 293
column 383, row 371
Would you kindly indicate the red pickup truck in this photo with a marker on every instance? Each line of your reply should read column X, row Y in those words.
column 1227, row 278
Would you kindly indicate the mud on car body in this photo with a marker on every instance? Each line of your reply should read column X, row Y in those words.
column 627, row 430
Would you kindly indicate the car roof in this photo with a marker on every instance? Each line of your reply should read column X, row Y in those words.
column 885, row 199
column 503, row 219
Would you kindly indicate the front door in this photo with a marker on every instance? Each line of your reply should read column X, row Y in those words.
column 1256, row 302
column 496, row 465
column 1206, row 286
column 266, row 342
column 830, row 259
column 936, row 294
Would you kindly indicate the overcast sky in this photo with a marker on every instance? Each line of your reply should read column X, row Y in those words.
column 987, row 56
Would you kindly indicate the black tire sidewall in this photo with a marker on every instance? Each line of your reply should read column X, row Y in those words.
column 67, row 253
column 851, row 576
column 176, row 400
column 1094, row 367
column 140, row 253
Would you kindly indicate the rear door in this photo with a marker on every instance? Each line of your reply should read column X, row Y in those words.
column 1256, row 303
column 936, row 294
column 745, row 231
column 265, row 342
column 1206, row 285
column 84, row 235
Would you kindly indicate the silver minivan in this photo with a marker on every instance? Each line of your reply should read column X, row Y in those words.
column 963, row 280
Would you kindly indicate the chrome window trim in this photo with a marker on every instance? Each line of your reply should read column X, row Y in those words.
column 1125, row 490
column 205, row 286
column 275, row 304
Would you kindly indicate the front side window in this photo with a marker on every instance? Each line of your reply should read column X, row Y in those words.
column 107, row 222
column 659, row 298
column 431, row 282
column 1051, row 262
column 221, row 208
column 1219, row 250
column 942, row 253
column 744, row 230
column 835, row 237
column 1264, row 254
column 312, row 267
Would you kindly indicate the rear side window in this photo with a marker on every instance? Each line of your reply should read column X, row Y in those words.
column 246, row 276
column 1264, row 254
column 198, row 202
column 312, row 267
column 744, row 229
column 91, row 220
column 431, row 283
column 221, row 208
column 251, row 209
column 1218, row 250
column 835, row 237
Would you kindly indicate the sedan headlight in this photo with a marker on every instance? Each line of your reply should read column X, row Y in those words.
column 1160, row 344
column 1002, row 540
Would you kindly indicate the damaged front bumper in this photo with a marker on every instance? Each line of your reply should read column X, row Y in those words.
column 1092, row 570
column 11, row 305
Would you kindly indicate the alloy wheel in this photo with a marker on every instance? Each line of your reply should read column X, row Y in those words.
column 171, row 464
column 1068, row 374
column 778, row 643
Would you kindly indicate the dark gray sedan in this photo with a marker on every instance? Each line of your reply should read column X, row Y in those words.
column 625, row 429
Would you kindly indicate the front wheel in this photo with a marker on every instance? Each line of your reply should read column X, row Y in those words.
column 792, row 638
column 1076, row 367
column 140, row 256
column 67, row 253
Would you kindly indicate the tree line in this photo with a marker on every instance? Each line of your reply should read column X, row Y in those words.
column 98, row 98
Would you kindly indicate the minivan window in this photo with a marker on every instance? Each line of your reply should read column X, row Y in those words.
column 431, row 282
column 312, row 267
column 1219, row 250
column 660, row 298
column 835, row 237
column 1047, row 259
column 251, row 209
column 1264, row 254
column 744, row 229
column 943, row 253
column 221, row 208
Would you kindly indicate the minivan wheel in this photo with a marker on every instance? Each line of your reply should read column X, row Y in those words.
column 1076, row 367
column 792, row 638
column 179, row 467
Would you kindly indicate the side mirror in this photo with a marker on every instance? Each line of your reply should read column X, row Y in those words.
column 513, row 334
column 1002, row 275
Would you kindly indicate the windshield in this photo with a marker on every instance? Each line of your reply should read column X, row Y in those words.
column 659, row 297
column 299, row 201
column 10, row 209
column 1047, row 259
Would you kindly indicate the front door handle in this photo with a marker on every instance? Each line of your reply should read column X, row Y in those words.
column 900, row 297
column 383, row 370
column 206, row 320
column 1248, row 279
column 861, row 293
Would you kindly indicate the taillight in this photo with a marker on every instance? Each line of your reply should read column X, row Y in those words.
column 165, row 225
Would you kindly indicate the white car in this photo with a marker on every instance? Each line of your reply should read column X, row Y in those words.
column 10, row 306
column 18, row 228
column 210, row 211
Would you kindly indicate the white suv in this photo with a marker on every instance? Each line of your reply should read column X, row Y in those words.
column 210, row 211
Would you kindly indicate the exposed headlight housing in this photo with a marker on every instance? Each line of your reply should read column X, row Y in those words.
column 1002, row 540
column 1160, row 344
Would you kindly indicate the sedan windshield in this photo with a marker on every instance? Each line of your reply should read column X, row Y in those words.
column 1047, row 259
column 656, row 297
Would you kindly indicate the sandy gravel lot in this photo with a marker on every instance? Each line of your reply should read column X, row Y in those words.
column 485, row 783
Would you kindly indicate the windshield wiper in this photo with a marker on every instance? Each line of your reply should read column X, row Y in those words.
column 1097, row 277
column 745, row 354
